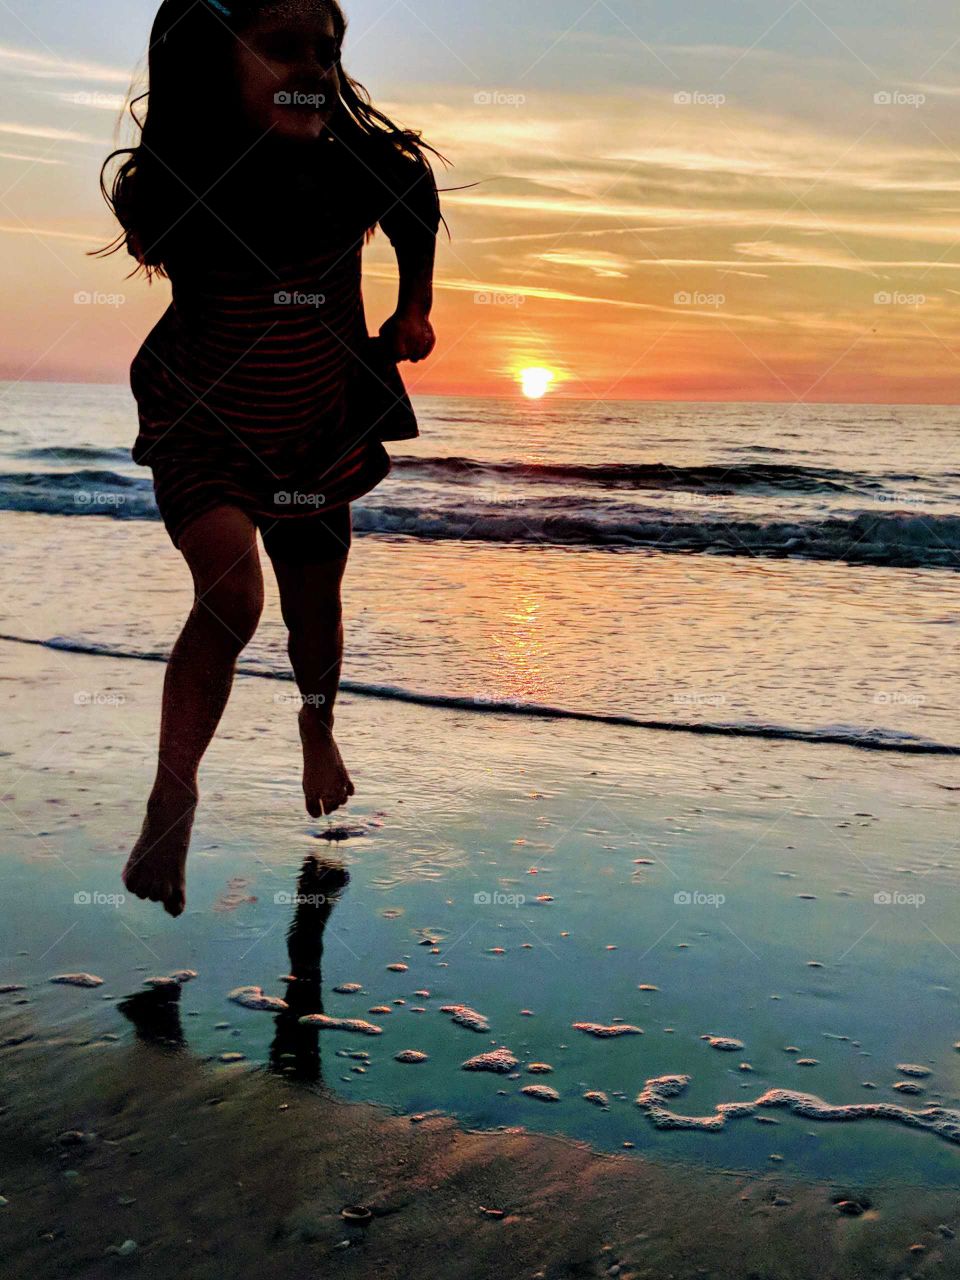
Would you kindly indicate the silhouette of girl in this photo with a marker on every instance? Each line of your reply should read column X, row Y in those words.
column 262, row 168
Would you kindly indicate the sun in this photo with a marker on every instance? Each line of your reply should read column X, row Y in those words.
column 536, row 382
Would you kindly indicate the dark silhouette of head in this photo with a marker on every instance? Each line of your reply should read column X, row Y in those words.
column 227, row 78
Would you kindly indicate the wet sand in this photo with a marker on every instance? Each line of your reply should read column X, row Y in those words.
column 212, row 1171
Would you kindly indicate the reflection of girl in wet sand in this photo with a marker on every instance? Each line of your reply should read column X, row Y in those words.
column 263, row 402
column 295, row 1051
column 296, row 1048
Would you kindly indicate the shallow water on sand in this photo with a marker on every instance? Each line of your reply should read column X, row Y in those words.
column 556, row 867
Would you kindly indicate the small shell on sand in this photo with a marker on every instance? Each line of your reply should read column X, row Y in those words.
column 254, row 998
column 647, row 986
column 78, row 980
column 539, row 1068
column 725, row 1043
column 398, row 968
column 542, row 1092
column 498, row 1060
column 348, row 988
column 422, row 995
column 411, row 1055
column 598, row 1029
column 184, row 975
column 744, row 1066
column 380, row 1008
column 808, row 1062
column 912, row 1069
column 340, row 1024
column 232, row 1057
column 598, row 1098
column 7, row 988
column 466, row 1017
column 908, row 1086
column 160, row 983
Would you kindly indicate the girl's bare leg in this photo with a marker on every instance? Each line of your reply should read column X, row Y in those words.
column 311, row 606
column 220, row 548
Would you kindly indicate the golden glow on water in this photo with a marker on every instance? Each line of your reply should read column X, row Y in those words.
column 521, row 643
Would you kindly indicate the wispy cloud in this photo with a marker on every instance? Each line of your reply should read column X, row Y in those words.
column 48, row 66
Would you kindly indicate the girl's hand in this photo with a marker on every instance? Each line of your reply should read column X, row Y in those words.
column 409, row 335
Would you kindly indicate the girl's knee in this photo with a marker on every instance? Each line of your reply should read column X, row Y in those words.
column 235, row 603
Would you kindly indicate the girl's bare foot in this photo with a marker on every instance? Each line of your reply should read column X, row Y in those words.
column 156, row 867
column 326, row 783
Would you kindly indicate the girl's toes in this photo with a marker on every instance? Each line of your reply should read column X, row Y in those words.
column 174, row 902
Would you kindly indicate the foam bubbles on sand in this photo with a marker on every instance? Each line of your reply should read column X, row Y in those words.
column 464, row 1016
column 602, row 1032
column 652, row 1099
column 912, row 1069
column 725, row 1043
column 254, row 998
column 78, row 980
column 175, row 979
column 500, row 1060
column 411, row 1055
column 348, row 988
column 542, row 1092
column 597, row 1097
column 324, row 1023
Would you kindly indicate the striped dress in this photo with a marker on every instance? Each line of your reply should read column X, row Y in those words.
column 260, row 386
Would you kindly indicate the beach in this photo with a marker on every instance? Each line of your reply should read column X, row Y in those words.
column 510, row 851
column 139, row 1158
column 640, row 929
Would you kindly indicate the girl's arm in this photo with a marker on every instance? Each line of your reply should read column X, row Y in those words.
column 411, row 225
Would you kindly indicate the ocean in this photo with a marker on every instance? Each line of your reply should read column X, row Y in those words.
column 752, row 569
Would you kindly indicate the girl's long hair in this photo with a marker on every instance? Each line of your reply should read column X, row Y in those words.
column 190, row 84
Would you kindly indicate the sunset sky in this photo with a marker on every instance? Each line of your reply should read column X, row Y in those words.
column 758, row 201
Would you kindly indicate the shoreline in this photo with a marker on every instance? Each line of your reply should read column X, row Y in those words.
column 215, row 1170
